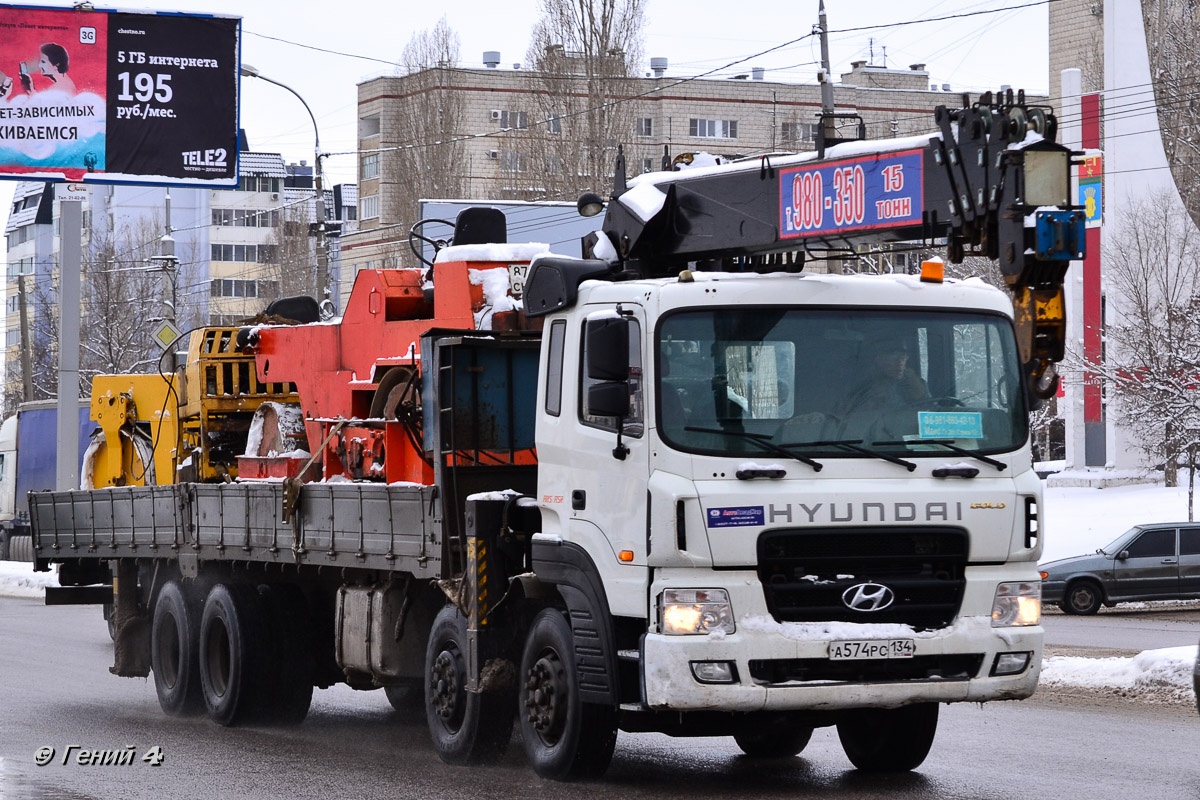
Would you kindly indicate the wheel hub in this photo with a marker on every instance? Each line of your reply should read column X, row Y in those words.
column 546, row 697
column 444, row 685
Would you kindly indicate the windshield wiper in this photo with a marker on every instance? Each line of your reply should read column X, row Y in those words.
column 962, row 451
column 762, row 440
column 854, row 446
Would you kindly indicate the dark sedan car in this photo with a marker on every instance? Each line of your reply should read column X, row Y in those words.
column 1159, row 561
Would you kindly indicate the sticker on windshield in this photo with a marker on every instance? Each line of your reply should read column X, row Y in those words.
column 950, row 424
column 735, row 517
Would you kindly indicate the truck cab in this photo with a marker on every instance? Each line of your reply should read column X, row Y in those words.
column 814, row 486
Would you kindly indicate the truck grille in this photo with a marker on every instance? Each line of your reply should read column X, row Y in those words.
column 921, row 668
column 805, row 573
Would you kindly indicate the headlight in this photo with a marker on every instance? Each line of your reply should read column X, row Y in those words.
column 1017, row 604
column 692, row 611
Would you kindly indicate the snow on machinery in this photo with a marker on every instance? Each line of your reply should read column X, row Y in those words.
column 574, row 526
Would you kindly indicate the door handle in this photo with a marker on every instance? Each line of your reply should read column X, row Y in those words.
column 1170, row 561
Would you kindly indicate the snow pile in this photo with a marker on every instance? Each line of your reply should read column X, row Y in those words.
column 1157, row 676
column 17, row 579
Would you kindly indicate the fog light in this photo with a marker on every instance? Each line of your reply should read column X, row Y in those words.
column 714, row 671
column 1010, row 663
column 1017, row 605
column 696, row 611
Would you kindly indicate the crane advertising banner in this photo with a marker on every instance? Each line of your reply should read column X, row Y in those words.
column 118, row 97
column 854, row 194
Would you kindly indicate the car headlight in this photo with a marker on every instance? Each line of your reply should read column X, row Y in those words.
column 1017, row 604
column 695, row 611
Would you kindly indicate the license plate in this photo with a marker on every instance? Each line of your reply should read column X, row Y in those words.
column 517, row 273
column 863, row 649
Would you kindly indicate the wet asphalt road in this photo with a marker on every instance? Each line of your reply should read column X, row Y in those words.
column 57, row 692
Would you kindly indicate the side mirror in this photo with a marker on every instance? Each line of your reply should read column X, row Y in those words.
column 1123, row 555
column 608, row 349
column 609, row 399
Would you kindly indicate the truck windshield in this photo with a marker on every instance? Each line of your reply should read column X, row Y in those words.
column 901, row 383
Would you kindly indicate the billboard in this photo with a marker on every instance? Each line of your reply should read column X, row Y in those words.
column 118, row 97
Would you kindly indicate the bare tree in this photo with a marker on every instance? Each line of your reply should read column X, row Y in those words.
column 293, row 268
column 1171, row 27
column 583, row 54
column 426, row 121
column 1152, row 339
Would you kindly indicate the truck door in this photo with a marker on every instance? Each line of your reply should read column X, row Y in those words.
column 1151, row 566
column 605, row 477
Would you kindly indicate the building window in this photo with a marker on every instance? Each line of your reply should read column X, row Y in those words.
column 370, row 166
column 647, row 165
column 14, row 304
column 713, row 128
column 259, row 183
column 797, row 132
column 513, row 162
column 517, row 120
column 369, row 206
column 12, row 336
column 645, row 126
column 554, row 124
column 245, row 253
column 368, row 127
column 234, row 287
column 245, row 218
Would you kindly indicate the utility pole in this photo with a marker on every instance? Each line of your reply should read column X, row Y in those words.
column 26, row 345
column 828, row 127
column 167, row 256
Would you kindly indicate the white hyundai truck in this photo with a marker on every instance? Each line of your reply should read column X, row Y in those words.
column 687, row 487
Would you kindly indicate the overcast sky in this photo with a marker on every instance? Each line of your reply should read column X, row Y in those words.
column 286, row 40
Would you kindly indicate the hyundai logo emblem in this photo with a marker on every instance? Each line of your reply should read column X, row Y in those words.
column 868, row 597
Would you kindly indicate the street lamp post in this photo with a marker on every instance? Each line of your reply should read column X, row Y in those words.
column 318, row 184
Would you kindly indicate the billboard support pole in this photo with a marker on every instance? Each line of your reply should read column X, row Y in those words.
column 69, row 307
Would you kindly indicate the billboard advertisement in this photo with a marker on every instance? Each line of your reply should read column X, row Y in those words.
column 118, row 97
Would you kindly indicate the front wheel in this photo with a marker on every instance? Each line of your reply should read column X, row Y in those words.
column 466, row 727
column 888, row 739
column 564, row 738
column 776, row 738
column 1083, row 598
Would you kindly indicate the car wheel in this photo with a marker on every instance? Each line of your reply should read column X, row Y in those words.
column 1082, row 598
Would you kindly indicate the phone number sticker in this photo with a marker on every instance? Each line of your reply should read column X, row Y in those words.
column 852, row 194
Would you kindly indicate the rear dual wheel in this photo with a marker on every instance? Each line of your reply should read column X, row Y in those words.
column 256, row 658
column 174, row 651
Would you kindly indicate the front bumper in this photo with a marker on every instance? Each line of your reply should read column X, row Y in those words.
column 786, row 667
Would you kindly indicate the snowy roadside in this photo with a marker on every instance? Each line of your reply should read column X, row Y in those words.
column 17, row 579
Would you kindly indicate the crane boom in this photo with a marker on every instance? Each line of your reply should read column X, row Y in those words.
column 990, row 181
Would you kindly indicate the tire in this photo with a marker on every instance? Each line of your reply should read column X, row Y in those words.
column 290, row 660
column 1083, row 598
column 564, row 738
column 20, row 548
column 175, row 652
column 407, row 696
column 777, row 738
column 465, row 727
column 232, row 654
column 110, row 622
column 888, row 739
